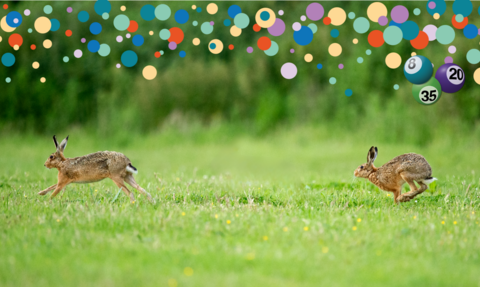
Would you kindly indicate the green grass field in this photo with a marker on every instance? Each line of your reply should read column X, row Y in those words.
column 282, row 210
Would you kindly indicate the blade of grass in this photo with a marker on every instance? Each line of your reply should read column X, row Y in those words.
column 116, row 196
column 91, row 193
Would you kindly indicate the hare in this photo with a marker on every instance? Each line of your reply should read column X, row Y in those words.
column 391, row 176
column 91, row 168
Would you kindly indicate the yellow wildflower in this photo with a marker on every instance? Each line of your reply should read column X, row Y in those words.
column 324, row 249
column 359, row 220
column 228, row 222
column 172, row 282
column 265, row 237
column 285, row 229
column 443, row 222
column 188, row 271
column 183, row 213
column 454, row 222
column 354, row 228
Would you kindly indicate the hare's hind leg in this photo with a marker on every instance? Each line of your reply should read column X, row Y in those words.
column 47, row 190
column 414, row 191
column 411, row 194
column 131, row 180
column 120, row 184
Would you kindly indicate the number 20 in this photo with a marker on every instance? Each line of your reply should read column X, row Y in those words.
column 456, row 75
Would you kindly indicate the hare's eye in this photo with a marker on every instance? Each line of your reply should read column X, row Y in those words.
column 51, row 156
column 361, row 167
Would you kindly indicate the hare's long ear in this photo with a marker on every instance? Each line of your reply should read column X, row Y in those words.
column 63, row 145
column 55, row 142
column 372, row 155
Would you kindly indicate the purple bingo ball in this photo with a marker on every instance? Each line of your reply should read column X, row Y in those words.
column 451, row 77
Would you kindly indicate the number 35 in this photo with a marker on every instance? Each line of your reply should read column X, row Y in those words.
column 429, row 97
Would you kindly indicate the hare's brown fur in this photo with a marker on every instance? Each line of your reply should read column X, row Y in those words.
column 391, row 176
column 91, row 168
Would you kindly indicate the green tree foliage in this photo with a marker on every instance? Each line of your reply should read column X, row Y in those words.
column 234, row 86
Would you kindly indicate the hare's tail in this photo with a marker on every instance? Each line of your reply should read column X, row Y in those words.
column 429, row 180
column 132, row 169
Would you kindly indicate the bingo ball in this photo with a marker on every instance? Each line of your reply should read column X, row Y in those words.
column 418, row 70
column 428, row 93
column 451, row 77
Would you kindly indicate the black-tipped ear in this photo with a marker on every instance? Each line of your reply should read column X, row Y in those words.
column 372, row 154
column 55, row 141
column 63, row 144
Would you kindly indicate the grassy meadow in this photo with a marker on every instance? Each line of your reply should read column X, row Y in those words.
column 252, row 173
column 282, row 210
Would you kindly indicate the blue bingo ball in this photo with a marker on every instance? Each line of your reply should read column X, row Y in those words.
column 418, row 70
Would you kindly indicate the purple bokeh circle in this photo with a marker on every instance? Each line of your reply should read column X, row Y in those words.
column 69, row 9
column 26, row 12
column 448, row 60
column 83, row 40
column 432, row 5
column 250, row 50
column 292, row 51
column 452, row 49
column 172, row 45
column 277, row 28
column 119, row 39
column 211, row 23
column 399, row 14
column 118, row 66
column 315, row 11
column 382, row 20
column 340, row 66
